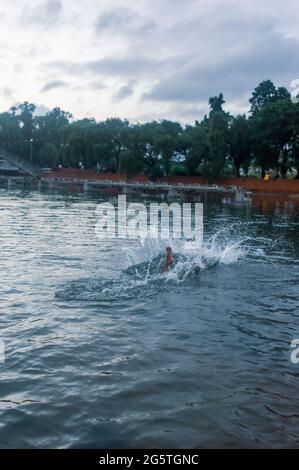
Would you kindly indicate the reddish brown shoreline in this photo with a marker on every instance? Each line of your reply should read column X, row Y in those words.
column 251, row 184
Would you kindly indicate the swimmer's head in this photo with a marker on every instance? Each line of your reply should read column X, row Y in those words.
column 168, row 249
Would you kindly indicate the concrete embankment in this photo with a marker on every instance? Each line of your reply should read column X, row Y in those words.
column 250, row 184
column 89, row 179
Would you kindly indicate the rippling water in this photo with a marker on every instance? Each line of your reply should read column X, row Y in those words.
column 104, row 351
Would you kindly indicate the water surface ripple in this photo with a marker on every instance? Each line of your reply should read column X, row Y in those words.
column 103, row 351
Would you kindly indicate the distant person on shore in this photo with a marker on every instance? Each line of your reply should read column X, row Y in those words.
column 267, row 176
column 168, row 260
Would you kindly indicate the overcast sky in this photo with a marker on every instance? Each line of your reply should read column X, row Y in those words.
column 144, row 60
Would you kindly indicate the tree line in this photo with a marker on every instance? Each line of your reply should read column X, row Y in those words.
column 220, row 144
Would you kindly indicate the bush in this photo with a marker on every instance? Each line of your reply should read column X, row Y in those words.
column 179, row 170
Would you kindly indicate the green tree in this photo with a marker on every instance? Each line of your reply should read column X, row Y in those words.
column 11, row 136
column 217, row 137
column 293, row 146
column 272, row 131
column 135, row 147
column 216, row 103
column 103, row 157
column 48, row 155
column 47, row 128
column 265, row 93
column 113, row 133
column 239, row 143
column 24, row 115
column 167, row 135
column 270, row 136
column 195, row 145
column 152, row 155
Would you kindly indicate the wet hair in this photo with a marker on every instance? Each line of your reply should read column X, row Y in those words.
column 168, row 248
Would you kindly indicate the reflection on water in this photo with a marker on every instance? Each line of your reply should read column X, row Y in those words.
column 277, row 203
column 102, row 350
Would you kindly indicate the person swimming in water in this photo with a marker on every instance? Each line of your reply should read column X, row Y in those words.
column 168, row 260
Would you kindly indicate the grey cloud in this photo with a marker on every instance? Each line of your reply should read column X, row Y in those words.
column 125, row 66
column 53, row 84
column 183, row 52
column 273, row 57
column 124, row 92
column 44, row 14
column 128, row 66
column 122, row 20
column 97, row 85
column 7, row 92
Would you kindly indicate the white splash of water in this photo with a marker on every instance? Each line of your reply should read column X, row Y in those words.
column 149, row 253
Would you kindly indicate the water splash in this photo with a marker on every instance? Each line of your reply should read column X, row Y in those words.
column 142, row 276
column 150, row 253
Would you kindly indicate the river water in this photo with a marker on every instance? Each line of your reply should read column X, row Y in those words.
column 101, row 350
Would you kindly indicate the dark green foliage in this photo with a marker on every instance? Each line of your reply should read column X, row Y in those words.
column 217, row 138
column 265, row 93
column 179, row 170
column 48, row 155
column 215, row 146
column 239, row 143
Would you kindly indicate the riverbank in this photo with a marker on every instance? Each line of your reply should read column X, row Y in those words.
column 86, row 181
column 249, row 184
column 89, row 179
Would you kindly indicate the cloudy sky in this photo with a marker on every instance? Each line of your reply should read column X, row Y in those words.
column 144, row 60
